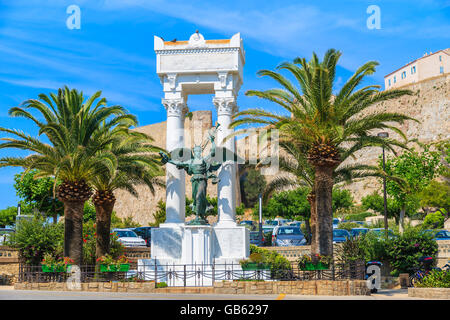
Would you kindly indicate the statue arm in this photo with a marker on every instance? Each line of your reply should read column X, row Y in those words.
column 212, row 152
column 179, row 164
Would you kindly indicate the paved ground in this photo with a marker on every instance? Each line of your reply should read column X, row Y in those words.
column 8, row 293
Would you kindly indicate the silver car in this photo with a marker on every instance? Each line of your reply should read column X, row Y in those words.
column 129, row 238
column 284, row 236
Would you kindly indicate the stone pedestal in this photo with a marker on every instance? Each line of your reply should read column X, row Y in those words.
column 197, row 245
column 231, row 244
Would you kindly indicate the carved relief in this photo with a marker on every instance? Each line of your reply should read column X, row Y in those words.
column 197, row 40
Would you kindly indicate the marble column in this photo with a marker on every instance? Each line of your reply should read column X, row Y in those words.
column 226, row 192
column 175, row 178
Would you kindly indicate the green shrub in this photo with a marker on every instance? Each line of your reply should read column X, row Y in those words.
column 34, row 238
column 348, row 225
column 8, row 216
column 374, row 248
column 434, row 220
column 404, row 251
column 358, row 216
column 161, row 285
column 275, row 260
column 351, row 250
column 435, row 279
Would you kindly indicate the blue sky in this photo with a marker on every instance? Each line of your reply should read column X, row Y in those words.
column 113, row 50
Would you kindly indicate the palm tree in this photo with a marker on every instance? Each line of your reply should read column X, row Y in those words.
column 298, row 172
column 137, row 163
column 330, row 127
column 77, row 133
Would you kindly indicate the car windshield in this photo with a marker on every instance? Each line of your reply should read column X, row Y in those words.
column 289, row 231
column 272, row 223
column 443, row 234
column 247, row 222
column 340, row 233
column 126, row 233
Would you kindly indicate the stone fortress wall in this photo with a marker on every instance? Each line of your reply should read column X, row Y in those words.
column 430, row 104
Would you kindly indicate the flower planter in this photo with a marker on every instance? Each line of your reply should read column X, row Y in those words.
column 113, row 268
column 47, row 268
column 255, row 266
column 309, row 266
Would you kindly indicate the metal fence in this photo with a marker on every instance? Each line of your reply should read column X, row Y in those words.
column 195, row 274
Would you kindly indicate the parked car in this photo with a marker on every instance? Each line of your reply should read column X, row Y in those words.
column 271, row 224
column 336, row 222
column 442, row 235
column 5, row 234
column 296, row 223
column 145, row 233
column 340, row 235
column 283, row 236
column 254, row 239
column 358, row 231
column 129, row 238
column 283, row 222
column 249, row 224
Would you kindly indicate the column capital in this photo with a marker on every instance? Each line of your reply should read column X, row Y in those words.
column 225, row 105
column 175, row 107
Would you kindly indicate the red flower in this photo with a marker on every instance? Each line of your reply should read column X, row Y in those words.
column 84, row 240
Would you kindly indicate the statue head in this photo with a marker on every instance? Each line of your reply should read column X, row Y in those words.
column 197, row 151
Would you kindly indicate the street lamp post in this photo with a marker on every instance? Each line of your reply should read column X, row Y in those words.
column 260, row 220
column 384, row 135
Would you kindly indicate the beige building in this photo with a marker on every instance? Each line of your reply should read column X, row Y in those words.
column 429, row 66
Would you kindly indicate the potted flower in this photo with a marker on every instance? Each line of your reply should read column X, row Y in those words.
column 51, row 264
column 323, row 262
column 123, row 264
column 109, row 264
column 317, row 262
column 48, row 264
column 305, row 263
column 254, row 262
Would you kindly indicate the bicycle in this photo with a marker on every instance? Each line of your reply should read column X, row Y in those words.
column 426, row 262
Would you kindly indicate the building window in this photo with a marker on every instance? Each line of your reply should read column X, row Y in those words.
column 440, row 58
column 403, row 74
column 441, row 69
column 413, row 70
column 389, row 82
column 395, row 79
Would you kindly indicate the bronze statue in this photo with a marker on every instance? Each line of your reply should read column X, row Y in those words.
column 201, row 169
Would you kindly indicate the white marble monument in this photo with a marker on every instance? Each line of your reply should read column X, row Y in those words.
column 199, row 66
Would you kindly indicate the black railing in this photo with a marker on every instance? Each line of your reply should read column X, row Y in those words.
column 194, row 274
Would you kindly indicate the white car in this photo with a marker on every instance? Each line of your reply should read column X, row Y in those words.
column 129, row 238
column 336, row 222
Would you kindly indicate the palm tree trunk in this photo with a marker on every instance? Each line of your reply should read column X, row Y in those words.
column 73, row 230
column 103, row 229
column 312, row 202
column 323, row 190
